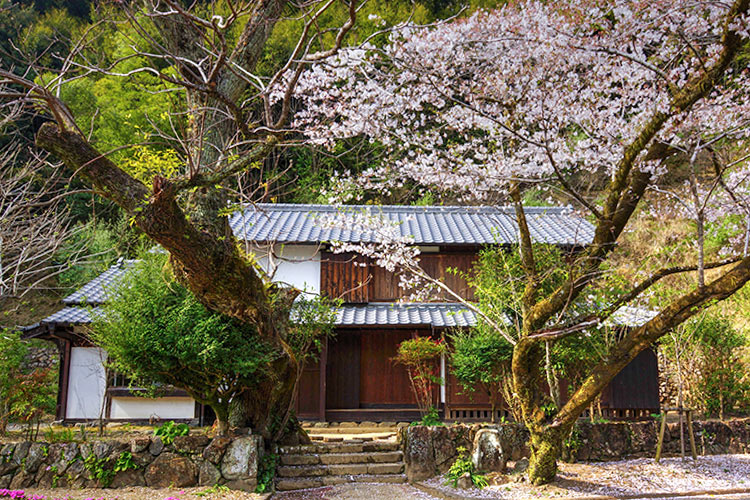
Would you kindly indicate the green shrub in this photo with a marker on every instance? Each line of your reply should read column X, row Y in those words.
column 420, row 356
column 464, row 465
column 169, row 430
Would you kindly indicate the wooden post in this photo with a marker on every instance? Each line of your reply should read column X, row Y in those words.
column 660, row 443
column 692, row 436
column 682, row 435
column 322, row 381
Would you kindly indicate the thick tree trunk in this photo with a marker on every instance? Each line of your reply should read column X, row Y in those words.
column 546, row 445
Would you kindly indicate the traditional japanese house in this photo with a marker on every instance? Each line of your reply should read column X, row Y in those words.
column 355, row 378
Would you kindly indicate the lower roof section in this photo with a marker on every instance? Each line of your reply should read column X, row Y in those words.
column 438, row 315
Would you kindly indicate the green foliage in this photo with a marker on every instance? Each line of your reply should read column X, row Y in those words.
column 314, row 318
column 95, row 239
column 722, row 384
column 420, row 356
column 156, row 332
column 709, row 351
column 266, row 472
column 61, row 436
column 125, row 462
column 145, row 163
column 170, row 430
column 99, row 469
column 429, row 419
column 481, row 358
column 25, row 395
column 213, row 490
column 464, row 465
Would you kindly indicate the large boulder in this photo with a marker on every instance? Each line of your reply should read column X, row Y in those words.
column 20, row 452
column 419, row 454
column 130, row 477
column 37, row 453
column 208, row 474
column 214, row 452
column 62, row 455
column 488, row 454
column 170, row 469
column 192, row 443
column 241, row 458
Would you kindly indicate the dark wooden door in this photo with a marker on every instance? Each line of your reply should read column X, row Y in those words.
column 383, row 383
column 308, row 391
column 343, row 371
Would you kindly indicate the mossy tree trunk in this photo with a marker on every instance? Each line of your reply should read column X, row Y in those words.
column 226, row 134
column 623, row 194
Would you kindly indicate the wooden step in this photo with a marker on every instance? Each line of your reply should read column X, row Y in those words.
column 300, row 483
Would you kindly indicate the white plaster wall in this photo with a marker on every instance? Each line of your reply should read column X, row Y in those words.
column 145, row 408
column 87, row 383
column 296, row 265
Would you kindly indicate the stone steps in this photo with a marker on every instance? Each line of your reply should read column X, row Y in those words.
column 301, row 483
column 343, row 458
column 316, row 465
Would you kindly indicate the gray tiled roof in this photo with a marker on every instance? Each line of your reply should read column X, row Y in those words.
column 287, row 223
column 95, row 291
column 631, row 316
column 71, row 315
column 437, row 315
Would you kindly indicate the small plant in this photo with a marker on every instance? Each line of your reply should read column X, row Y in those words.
column 431, row 418
column 61, row 436
column 217, row 488
column 169, row 430
column 82, row 432
column 463, row 465
column 98, row 469
column 420, row 356
column 266, row 472
column 125, row 462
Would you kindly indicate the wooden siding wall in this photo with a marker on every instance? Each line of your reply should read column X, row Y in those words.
column 344, row 276
column 356, row 280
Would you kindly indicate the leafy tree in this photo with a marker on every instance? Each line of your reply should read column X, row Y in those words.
column 222, row 121
column 421, row 356
column 12, row 353
column 157, row 332
column 707, row 358
column 481, row 359
column 26, row 395
column 540, row 93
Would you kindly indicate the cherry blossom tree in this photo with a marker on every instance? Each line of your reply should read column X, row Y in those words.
column 539, row 94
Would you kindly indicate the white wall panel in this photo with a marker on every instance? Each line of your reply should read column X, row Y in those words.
column 145, row 408
column 296, row 265
column 87, row 383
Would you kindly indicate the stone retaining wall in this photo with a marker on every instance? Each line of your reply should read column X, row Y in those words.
column 143, row 461
column 429, row 451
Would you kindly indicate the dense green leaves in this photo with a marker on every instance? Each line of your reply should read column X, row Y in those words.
column 156, row 331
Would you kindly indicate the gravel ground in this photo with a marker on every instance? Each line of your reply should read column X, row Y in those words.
column 357, row 491
column 140, row 494
column 627, row 477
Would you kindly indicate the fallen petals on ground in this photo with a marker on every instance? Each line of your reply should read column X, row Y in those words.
column 625, row 477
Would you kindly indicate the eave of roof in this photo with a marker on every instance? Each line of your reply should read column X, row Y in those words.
column 431, row 225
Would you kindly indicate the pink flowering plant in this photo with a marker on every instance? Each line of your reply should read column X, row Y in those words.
column 538, row 98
